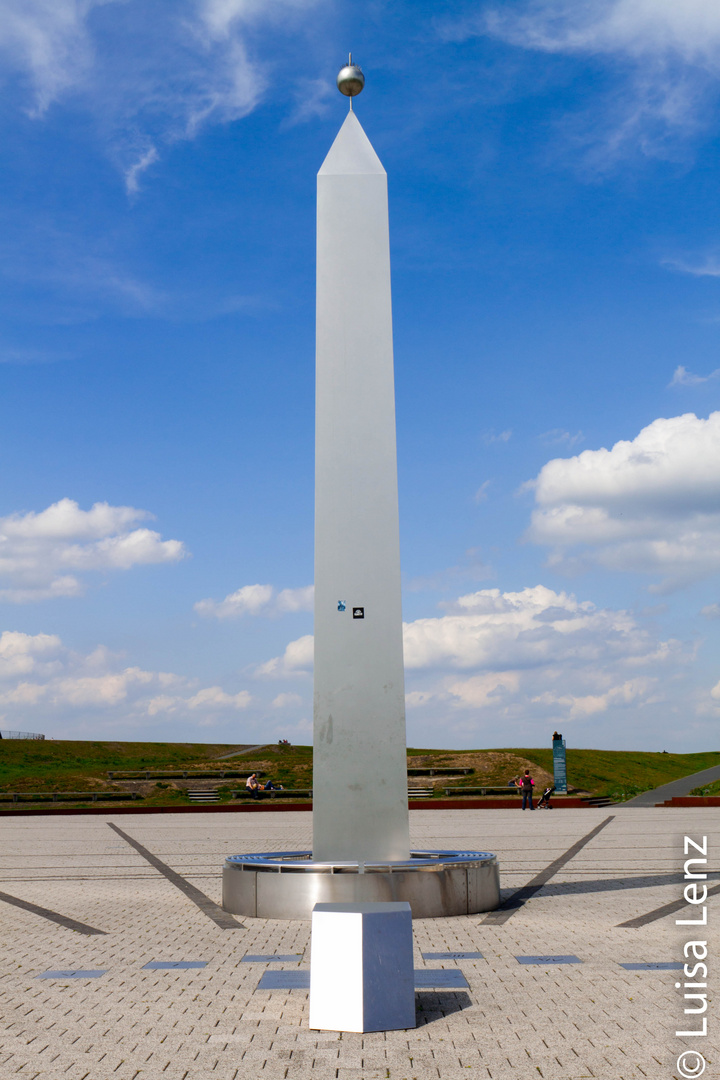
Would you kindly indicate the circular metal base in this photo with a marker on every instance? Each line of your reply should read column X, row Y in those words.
column 288, row 884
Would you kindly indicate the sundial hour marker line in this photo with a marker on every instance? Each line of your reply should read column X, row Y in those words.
column 221, row 918
column 52, row 916
column 508, row 907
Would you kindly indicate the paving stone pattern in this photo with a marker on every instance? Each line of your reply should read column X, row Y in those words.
column 139, row 1021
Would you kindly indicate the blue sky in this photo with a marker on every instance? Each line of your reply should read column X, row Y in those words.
column 554, row 180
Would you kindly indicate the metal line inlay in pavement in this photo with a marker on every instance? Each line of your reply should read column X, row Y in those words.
column 508, row 907
column 53, row 916
column 655, row 966
column 221, row 918
column 452, row 956
column 548, row 960
column 73, row 973
column 449, row 979
column 162, row 965
column 270, row 958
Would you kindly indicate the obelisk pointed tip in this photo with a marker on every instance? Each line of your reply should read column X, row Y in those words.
column 352, row 151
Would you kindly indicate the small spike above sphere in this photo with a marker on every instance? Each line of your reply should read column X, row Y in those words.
column 350, row 80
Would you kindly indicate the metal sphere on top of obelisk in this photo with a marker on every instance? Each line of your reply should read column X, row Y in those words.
column 350, row 80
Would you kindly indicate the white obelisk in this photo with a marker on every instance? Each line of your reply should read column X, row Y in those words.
column 360, row 807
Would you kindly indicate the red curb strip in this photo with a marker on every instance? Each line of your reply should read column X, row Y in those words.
column 489, row 804
column 223, row 808
column 692, row 800
column 269, row 808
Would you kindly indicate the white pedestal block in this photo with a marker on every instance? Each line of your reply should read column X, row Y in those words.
column 361, row 967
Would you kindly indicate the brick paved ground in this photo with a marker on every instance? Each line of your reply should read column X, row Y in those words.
column 593, row 1019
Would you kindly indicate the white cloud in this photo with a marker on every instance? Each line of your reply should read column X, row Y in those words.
column 162, row 703
column 257, row 600
column 490, row 437
column 27, row 654
column 146, row 159
column 649, row 505
column 532, row 655
column 10, row 355
column 711, row 611
column 214, row 697
column 149, row 80
column 683, row 377
column 417, row 698
column 38, row 671
column 249, row 600
column 709, row 267
column 559, row 435
column 296, row 599
column 490, row 689
column 494, row 631
column 80, row 279
column 634, row 28
column 590, row 704
column 48, row 41
column 38, row 549
column 482, row 492
column 296, row 660
column 313, row 98
column 534, row 658
column 661, row 60
column 286, row 701
column 109, row 689
column 64, row 520
column 23, row 694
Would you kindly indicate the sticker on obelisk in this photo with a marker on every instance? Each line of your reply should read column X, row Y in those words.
column 358, row 613
column 341, row 605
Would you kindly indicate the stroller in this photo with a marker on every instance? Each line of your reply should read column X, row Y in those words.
column 544, row 803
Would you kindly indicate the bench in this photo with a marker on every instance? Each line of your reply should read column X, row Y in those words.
column 507, row 790
column 440, row 772
column 184, row 774
column 285, row 793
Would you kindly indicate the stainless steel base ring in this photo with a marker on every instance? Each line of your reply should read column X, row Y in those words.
column 287, row 884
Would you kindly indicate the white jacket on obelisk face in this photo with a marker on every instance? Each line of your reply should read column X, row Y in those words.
column 360, row 810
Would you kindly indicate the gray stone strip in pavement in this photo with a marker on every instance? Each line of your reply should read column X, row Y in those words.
column 53, row 916
column 661, row 912
column 508, row 907
column 221, row 918
column 676, row 787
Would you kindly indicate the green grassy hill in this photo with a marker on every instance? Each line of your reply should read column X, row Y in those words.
column 621, row 774
column 28, row 765
column 58, row 765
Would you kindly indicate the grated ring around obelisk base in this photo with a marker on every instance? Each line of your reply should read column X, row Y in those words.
column 287, row 884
